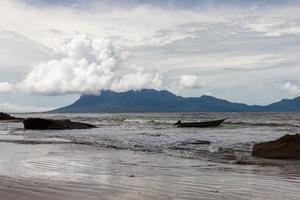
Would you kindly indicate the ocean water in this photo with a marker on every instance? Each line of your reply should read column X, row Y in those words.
column 144, row 155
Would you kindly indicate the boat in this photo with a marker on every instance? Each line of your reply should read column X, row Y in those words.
column 204, row 124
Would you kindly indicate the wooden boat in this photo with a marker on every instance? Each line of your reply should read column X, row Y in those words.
column 205, row 124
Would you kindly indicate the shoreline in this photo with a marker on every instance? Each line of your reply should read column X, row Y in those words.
column 69, row 171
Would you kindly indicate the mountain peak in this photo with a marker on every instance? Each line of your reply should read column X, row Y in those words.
column 207, row 97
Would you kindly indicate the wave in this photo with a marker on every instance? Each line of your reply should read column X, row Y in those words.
column 238, row 153
column 148, row 121
column 152, row 134
column 193, row 149
column 4, row 132
column 35, row 141
column 269, row 124
column 228, row 122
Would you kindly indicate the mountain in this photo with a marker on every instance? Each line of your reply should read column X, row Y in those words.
column 149, row 100
column 285, row 105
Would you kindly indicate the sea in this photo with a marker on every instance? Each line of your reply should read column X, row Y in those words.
column 144, row 156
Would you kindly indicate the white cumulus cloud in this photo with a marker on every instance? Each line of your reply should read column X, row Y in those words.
column 6, row 87
column 291, row 88
column 191, row 82
column 137, row 81
column 85, row 66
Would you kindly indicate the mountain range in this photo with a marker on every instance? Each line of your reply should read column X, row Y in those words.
column 150, row 100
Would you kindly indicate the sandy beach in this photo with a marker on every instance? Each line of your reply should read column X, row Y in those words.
column 13, row 189
column 83, row 172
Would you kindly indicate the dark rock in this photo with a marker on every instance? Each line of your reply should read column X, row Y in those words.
column 245, row 162
column 195, row 142
column 286, row 147
column 205, row 142
column 51, row 124
column 5, row 116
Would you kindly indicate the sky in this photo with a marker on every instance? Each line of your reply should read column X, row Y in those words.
column 53, row 51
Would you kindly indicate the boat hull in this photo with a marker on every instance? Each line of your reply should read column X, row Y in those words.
column 206, row 124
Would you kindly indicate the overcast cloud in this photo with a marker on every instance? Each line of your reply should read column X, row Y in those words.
column 244, row 51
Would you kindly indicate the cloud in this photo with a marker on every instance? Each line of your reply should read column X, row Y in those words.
column 18, row 53
column 99, row 18
column 85, row 66
column 9, row 107
column 190, row 82
column 138, row 80
column 6, row 87
column 291, row 88
column 259, row 44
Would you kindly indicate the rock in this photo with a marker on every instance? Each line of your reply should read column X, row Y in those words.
column 51, row 124
column 286, row 147
column 205, row 142
column 5, row 116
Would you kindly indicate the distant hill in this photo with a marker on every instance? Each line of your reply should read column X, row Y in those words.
column 149, row 100
column 285, row 105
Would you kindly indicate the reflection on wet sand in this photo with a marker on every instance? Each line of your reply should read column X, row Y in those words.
column 69, row 171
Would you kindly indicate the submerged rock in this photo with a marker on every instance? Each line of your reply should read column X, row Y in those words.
column 286, row 147
column 5, row 116
column 204, row 142
column 51, row 124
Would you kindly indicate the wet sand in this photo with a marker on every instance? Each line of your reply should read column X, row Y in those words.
column 15, row 189
column 68, row 171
